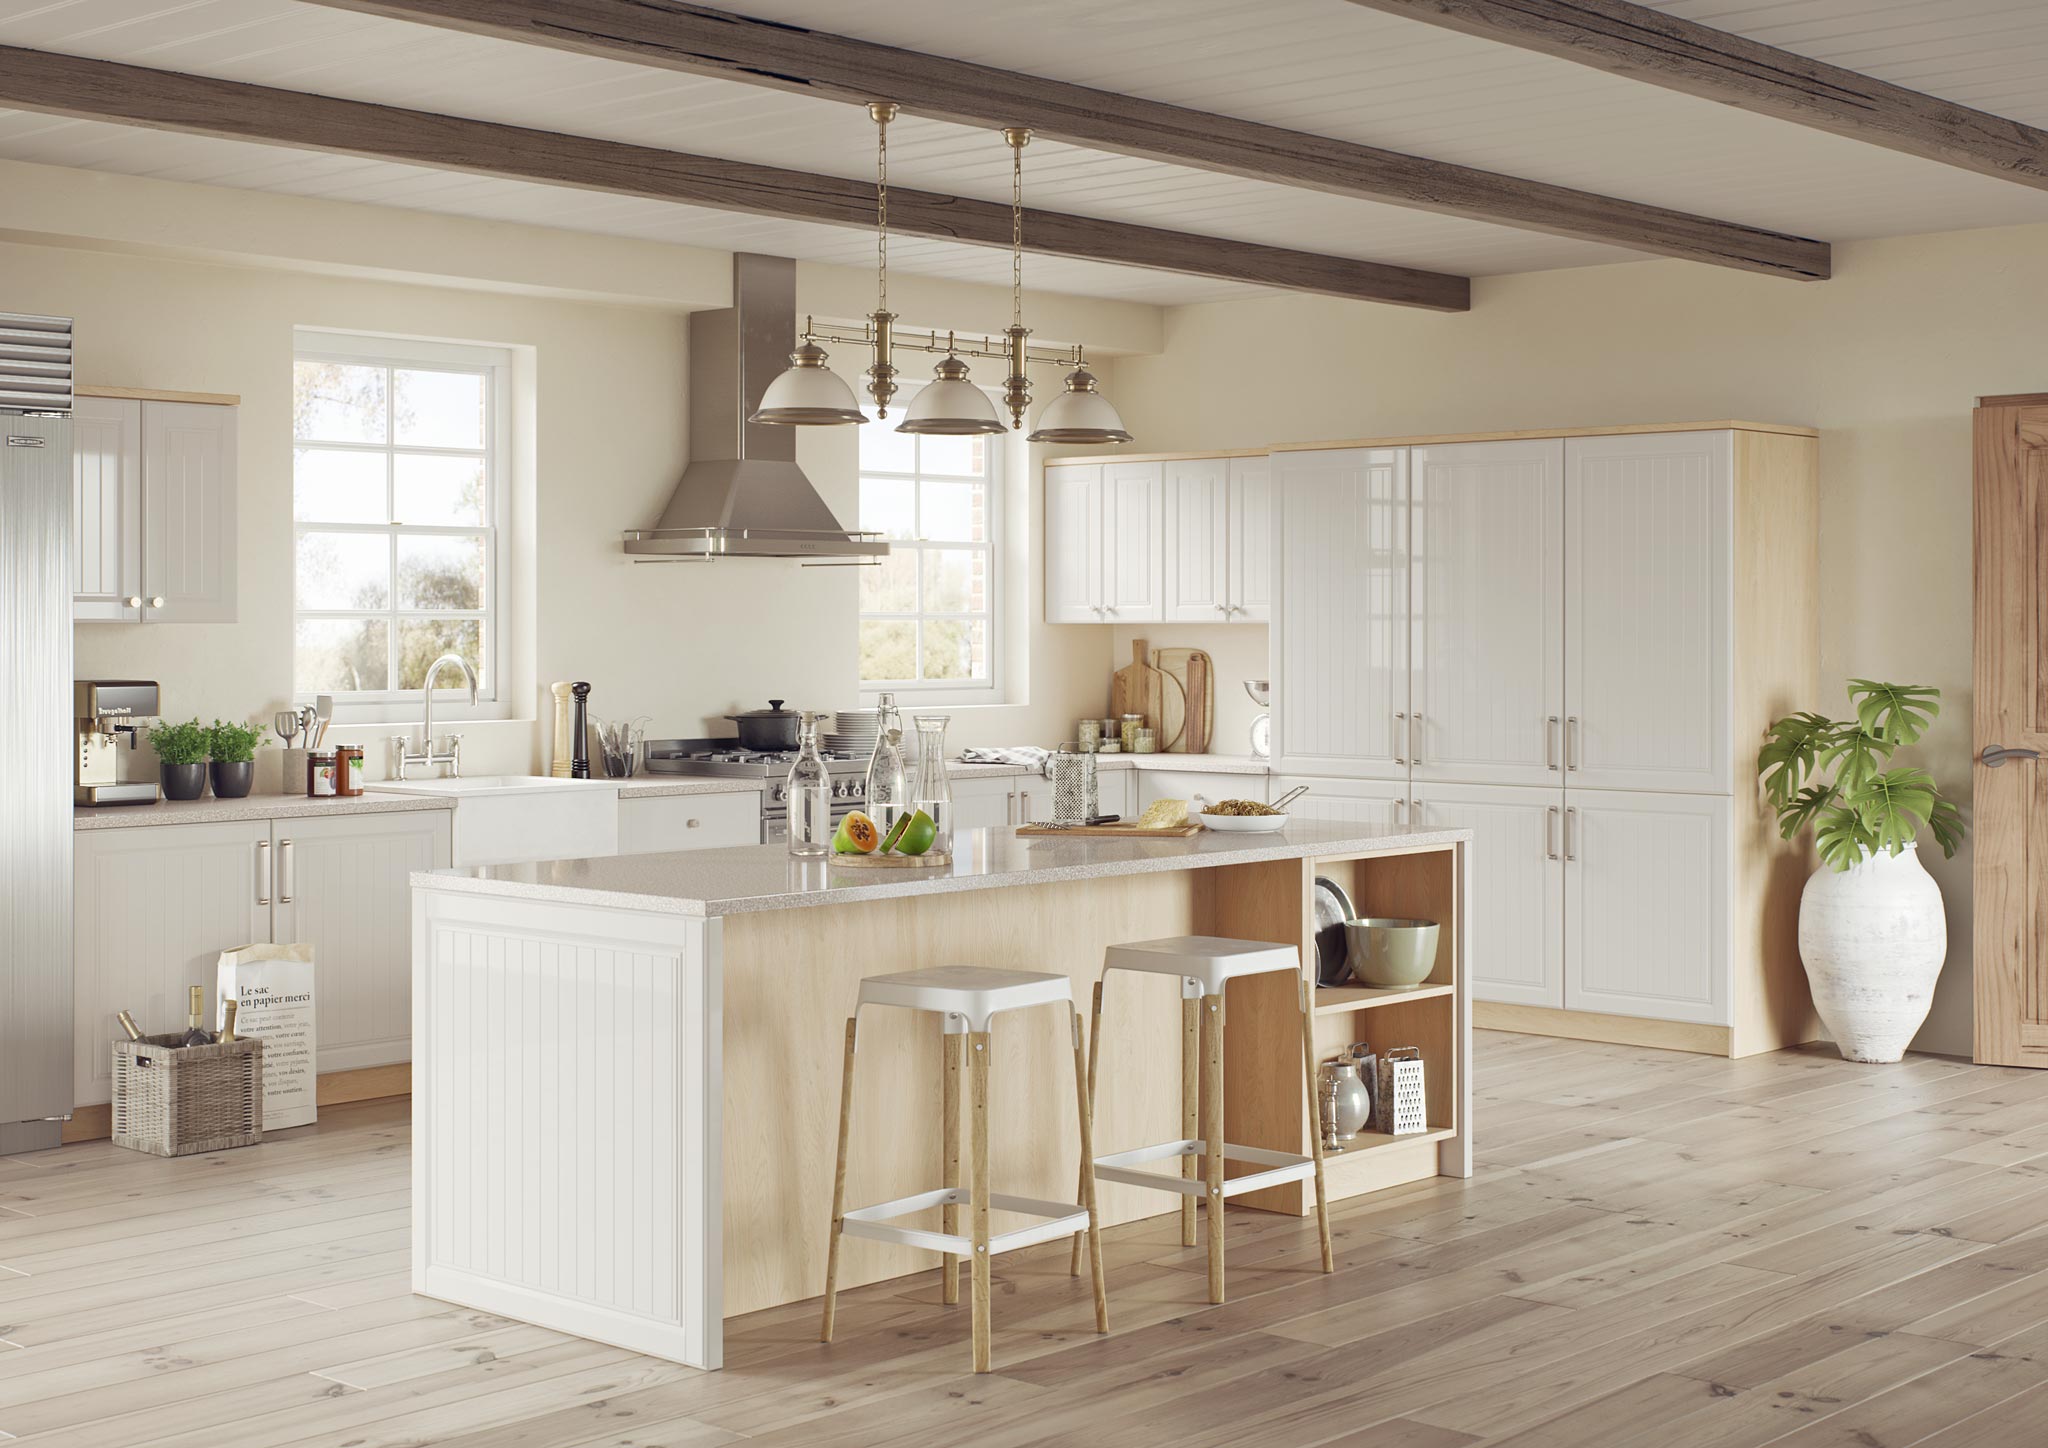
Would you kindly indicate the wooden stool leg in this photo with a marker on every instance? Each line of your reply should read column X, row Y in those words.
column 977, row 1187
column 1087, row 1149
column 1315, row 1119
column 839, row 1182
column 1212, row 1109
column 1190, row 1103
column 949, row 1129
column 1083, row 1094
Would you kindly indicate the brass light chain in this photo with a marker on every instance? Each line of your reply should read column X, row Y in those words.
column 882, row 374
column 1017, row 228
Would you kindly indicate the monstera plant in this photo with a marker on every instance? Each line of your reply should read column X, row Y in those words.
column 1872, row 931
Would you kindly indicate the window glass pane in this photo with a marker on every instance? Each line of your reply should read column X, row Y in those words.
column 440, row 572
column 885, row 450
column 891, row 585
column 954, row 512
column 955, row 456
column 437, row 409
column 344, row 571
column 330, row 485
column 955, row 648
column 955, row 580
column 437, row 491
column 338, row 402
column 423, row 640
column 888, row 649
column 889, row 506
column 342, row 656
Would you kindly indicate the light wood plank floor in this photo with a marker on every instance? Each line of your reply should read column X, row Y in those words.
column 1657, row 1249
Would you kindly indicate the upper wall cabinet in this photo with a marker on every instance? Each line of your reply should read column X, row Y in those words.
column 1185, row 540
column 153, row 511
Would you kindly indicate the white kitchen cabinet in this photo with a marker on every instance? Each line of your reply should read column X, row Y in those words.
column 1487, row 692
column 1211, row 785
column 153, row 505
column 1375, row 803
column 651, row 824
column 1198, row 540
column 1073, row 543
column 984, row 802
column 1515, row 902
column 1647, row 607
column 1116, row 792
column 1249, row 540
column 1133, row 542
column 1646, row 905
column 1340, row 705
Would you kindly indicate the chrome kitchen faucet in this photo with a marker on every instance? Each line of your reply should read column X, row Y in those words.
column 451, row 745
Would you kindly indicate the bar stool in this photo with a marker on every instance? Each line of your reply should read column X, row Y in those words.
column 1205, row 965
column 967, row 997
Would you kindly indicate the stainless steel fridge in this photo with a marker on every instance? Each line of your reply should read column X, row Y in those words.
column 35, row 731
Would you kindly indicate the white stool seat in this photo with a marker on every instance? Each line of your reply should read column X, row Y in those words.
column 967, row 995
column 1211, row 960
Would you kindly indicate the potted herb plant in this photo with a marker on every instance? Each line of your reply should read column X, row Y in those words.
column 233, row 747
column 1872, row 932
column 182, row 750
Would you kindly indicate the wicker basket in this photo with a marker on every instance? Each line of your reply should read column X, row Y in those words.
column 172, row 1100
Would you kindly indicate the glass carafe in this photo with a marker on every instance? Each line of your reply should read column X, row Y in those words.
column 933, row 792
column 888, row 786
column 808, row 791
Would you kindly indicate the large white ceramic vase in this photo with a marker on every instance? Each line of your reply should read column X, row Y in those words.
column 1873, row 938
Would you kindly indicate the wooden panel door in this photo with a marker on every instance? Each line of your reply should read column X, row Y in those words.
column 1073, row 543
column 2010, row 849
column 1250, row 531
column 1648, row 611
column 1134, row 542
column 1646, row 905
column 152, row 908
column 1488, row 551
column 106, row 510
column 1514, row 908
column 1198, row 541
column 188, row 512
column 1340, row 645
column 344, row 886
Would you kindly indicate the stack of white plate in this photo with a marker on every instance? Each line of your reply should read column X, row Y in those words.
column 852, row 733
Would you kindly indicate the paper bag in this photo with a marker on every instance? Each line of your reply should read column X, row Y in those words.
column 272, row 986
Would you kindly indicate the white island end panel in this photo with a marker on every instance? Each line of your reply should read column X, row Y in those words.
column 566, row 1136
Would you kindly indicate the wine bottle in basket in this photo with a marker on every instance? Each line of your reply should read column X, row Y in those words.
column 196, row 1034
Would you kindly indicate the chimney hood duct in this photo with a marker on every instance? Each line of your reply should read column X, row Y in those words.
column 742, row 495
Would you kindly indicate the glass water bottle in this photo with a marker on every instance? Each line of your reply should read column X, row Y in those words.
column 933, row 792
column 809, row 793
column 888, row 787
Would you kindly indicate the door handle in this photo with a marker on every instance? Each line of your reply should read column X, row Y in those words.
column 284, row 861
column 1414, row 755
column 1573, row 735
column 1550, row 833
column 263, row 872
column 1997, row 754
column 1401, row 727
column 1571, row 832
column 1550, row 731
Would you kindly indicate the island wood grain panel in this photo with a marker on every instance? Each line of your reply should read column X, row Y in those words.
column 797, row 59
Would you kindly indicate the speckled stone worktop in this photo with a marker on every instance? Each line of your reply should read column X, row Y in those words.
column 765, row 877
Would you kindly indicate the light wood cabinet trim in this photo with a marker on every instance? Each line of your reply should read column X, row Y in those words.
column 158, row 394
column 1599, row 1026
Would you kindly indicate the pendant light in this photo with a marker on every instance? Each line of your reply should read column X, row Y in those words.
column 951, row 406
column 809, row 394
column 1080, row 414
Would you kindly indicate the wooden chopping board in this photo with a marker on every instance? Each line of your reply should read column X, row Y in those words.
column 1190, row 701
column 1138, row 687
column 1127, row 830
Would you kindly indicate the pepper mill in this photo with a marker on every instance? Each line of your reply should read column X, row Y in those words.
column 579, row 733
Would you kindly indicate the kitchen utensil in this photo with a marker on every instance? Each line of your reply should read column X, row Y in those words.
column 1122, row 830
column 579, row 733
column 558, row 759
column 1245, row 824
column 1071, row 768
column 1390, row 954
column 1188, row 701
column 621, row 746
column 771, row 730
column 1332, row 908
column 1137, row 687
column 1400, row 1105
column 286, row 723
column 323, row 714
column 1292, row 795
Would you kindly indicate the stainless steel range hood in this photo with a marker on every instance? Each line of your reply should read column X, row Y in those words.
column 742, row 495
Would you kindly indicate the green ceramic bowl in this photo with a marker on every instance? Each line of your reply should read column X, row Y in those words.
column 1390, row 954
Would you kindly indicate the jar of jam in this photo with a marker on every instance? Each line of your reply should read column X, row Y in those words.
column 348, row 770
column 320, row 774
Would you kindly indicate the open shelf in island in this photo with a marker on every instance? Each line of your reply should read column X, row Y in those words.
column 1336, row 999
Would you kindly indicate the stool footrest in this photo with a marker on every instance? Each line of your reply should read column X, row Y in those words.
column 1281, row 1166
column 1060, row 1219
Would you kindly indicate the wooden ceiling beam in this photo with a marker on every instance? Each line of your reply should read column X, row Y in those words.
column 67, row 85
column 1649, row 45
column 792, row 58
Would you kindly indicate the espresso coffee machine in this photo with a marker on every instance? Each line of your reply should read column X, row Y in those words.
column 104, row 710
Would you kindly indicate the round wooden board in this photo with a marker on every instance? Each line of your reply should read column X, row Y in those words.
column 880, row 861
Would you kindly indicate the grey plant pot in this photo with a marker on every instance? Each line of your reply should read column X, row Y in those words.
column 231, row 780
column 184, row 781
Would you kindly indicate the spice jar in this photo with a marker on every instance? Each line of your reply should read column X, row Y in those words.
column 1131, row 725
column 1146, row 741
column 320, row 771
column 348, row 769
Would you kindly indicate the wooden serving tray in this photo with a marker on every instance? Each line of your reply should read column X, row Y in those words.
column 1122, row 828
column 880, row 861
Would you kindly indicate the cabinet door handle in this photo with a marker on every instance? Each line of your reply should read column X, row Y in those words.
column 1401, row 728
column 1574, row 742
column 157, row 602
column 284, row 861
column 1401, row 812
column 1550, row 831
column 1224, row 609
column 1571, row 832
column 263, row 872
column 1550, row 728
column 1414, row 754
column 133, row 600
column 690, row 824
column 1023, row 806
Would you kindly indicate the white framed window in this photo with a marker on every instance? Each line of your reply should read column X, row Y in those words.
column 928, row 612
column 400, row 457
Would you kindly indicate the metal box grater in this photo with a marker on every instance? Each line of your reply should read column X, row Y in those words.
column 1398, row 1107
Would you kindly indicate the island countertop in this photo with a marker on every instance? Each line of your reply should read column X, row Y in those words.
column 752, row 878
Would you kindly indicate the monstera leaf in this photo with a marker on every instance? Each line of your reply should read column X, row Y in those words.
column 1791, row 750
column 1804, row 808
column 1840, row 838
column 1855, row 755
column 1895, row 713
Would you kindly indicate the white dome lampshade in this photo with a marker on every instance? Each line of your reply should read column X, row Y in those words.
column 951, row 406
column 809, row 394
column 1080, row 414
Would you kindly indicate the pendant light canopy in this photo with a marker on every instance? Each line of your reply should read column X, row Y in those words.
column 1080, row 414
column 951, row 406
column 809, row 394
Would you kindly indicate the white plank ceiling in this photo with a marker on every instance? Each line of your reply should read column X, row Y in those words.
column 1314, row 65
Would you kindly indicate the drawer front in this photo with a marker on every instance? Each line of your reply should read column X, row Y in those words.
column 688, row 822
